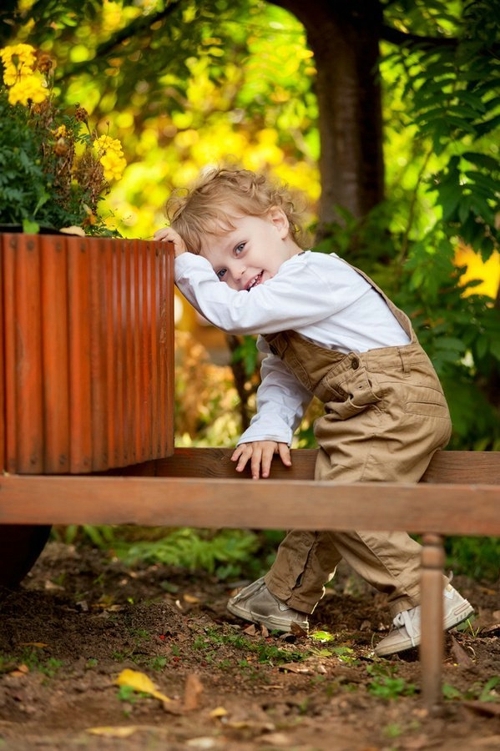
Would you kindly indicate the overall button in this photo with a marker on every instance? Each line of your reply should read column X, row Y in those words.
column 355, row 363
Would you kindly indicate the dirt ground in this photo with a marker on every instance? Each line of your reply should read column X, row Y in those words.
column 81, row 618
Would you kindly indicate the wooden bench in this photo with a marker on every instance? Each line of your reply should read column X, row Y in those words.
column 459, row 495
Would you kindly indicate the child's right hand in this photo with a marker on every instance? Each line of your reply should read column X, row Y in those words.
column 167, row 233
column 260, row 455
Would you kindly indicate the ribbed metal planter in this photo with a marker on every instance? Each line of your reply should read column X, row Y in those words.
column 87, row 337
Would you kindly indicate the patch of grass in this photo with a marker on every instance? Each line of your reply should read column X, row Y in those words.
column 393, row 731
column 140, row 635
column 157, row 663
column 385, row 684
column 483, row 692
column 130, row 695
column 265, row 651
column 36, row 660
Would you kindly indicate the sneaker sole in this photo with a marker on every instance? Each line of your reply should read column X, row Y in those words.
column 457, row 616
column 270, row 622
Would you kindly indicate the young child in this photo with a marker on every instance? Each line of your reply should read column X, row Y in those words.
column 326, row 330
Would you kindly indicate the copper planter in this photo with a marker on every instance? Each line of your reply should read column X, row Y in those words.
column 87, row 329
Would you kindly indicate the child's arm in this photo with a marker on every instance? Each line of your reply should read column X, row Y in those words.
column 281, row 403
column 260, row 455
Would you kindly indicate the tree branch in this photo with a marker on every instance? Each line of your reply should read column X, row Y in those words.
column 132, row 29
column 394, row 36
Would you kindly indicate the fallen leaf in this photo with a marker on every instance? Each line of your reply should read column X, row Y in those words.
column 486, row 708
column 218, row 712
column 322, row 636
column 51, row 586
column 73, row 231
column 460, row 655
column 202, row 743
column 192, row 692
column 173, row 707
column 278, row 739
column 124, row 731
column 38, row 644
column 250, row 630
column 297, row 630
column 491, row 630
column 191, row 599
column 140, row 682
column 295, row 667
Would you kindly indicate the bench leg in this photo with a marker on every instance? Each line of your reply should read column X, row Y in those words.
column 432, row 643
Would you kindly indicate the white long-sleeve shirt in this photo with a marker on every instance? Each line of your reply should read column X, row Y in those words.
column 319, row 296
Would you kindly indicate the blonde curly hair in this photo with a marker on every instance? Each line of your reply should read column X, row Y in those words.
column 220, row 196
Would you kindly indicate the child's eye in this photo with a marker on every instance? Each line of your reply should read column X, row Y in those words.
column 220, row 274
column 239, row 249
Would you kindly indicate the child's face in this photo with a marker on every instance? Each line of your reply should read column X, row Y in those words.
column 252, row 252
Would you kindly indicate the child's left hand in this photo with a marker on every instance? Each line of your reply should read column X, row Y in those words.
column 167, row 233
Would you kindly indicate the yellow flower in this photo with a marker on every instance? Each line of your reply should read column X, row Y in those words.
column 19, row 61
column 60, row 132
column 113, row 164
column 30, row 89
column 110, row 156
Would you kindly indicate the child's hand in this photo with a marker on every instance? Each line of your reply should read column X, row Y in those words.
column 260, row 454
column 167, row 233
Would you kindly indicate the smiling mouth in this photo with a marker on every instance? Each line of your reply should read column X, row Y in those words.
column 256, row 280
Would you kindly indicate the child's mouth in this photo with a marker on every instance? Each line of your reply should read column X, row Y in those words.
column 256, row 280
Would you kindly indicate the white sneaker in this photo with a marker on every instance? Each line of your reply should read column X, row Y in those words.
column 406, row 625
column 256, row 603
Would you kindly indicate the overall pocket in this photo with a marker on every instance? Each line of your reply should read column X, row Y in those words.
column 356, row 392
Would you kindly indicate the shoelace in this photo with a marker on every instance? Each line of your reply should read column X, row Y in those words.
column 404, row 620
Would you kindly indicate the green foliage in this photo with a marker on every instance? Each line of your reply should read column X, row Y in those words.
column 450, row 92
column 476, row 557
column 265, row 651
column 35, row 660
column 52, row 171
column 385, row 684
column 246, row 353
column 100, row 536
column 487, row 692
column 221, row 552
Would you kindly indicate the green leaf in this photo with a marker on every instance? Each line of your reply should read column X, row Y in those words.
column 30, row 227
column 482, row 160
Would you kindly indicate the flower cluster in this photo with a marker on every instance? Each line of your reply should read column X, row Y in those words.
column 54, row 169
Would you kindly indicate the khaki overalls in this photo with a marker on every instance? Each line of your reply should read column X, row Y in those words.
column 385, row 416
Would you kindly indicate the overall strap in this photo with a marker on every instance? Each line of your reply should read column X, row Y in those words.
column 310, row 361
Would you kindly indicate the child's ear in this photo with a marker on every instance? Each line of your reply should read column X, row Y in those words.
column 280, row 221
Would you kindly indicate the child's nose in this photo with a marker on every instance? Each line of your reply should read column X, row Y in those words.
column 238, row 272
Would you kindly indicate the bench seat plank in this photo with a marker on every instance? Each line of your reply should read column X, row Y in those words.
column 243, row 503
column 462, row 467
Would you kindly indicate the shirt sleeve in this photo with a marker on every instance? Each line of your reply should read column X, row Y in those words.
column 281, row 402
column 297, row 296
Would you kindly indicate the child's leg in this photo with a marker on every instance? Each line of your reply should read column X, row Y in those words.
column 390, row 442
column 305, row 561
column 389, row 561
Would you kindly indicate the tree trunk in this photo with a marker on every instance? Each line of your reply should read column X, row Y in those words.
column 344, row 38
